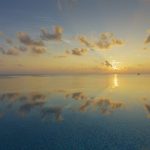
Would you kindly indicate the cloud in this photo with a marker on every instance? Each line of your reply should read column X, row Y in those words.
column 9, row 96
column 26, row 43
column 26, row 108
column 78, row 51
column 107, row 106
column 27, row 102
column 77, row 96
column 9, row 41
column 147, row 41
column 37, row 97
column 104, row 105
column 85, row 105
column 147, row 106
column 23, row 48
column 35, row 100
column 106, row 41
column 85, row 41
column 25, row 39
column 36, row 46
column 11, row 51
column 107, row 63
column 38, row 50
column 48, row 111
column 56, row 35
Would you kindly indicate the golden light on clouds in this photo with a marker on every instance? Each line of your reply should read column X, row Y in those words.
column 58, row 48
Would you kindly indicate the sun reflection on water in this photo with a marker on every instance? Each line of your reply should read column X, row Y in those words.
column 115, row 81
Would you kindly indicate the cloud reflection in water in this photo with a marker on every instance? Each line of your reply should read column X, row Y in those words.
column 24, row 104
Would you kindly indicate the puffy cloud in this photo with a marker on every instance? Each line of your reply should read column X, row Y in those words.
column 104, row 105
column 27, row 107
column 37, row 97
column 106, row 40
column 107, row 63
column 78, row 51
column 11, row 51
column 38, row 101
column 85, row 105
column 31, row 101
column 10, row 97
column 9, row 41
column 85, row 41
column 25, row 39
column 36, row 46
column 147, row 106
column 38, row 49
column 56, row 35
column 77, row 96
column 23, row 48
column 35, row 100
column 147, row 41
column 26, row 43
column 48, row 111
column 107, row 106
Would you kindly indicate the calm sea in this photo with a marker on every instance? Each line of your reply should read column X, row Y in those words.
column 93, row 112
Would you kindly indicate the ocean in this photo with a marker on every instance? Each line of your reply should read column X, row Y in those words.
column 82, row 112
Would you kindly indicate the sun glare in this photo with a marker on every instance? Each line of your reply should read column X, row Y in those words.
column 115, row 65
column 115, row 81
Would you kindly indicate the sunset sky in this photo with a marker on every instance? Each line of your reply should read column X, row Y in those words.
column 74, row 36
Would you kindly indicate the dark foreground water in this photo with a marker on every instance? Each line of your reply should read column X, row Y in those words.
column 75, row 113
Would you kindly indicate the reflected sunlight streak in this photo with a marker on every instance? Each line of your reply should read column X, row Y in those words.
column 115, row 81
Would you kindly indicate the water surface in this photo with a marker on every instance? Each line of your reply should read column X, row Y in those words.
column 94, row 112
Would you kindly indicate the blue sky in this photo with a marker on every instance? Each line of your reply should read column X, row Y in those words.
column 87, row 15
column 128, row 20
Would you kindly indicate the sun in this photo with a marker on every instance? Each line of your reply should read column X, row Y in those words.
column 115, row 65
